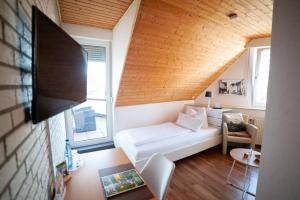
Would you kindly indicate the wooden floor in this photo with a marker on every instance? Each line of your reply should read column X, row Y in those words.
column 203, row 176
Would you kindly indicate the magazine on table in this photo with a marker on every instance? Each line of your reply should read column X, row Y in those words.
column 121, row 182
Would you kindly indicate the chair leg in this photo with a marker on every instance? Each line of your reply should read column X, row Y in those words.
column 224, row 148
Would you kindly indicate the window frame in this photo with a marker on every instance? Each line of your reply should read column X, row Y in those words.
column 109, row 102
column 256, row 57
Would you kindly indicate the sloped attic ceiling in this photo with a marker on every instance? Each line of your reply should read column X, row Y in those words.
column 179, row 47
column 97, row 13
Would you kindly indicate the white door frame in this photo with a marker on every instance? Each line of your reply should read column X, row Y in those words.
column 109, row 103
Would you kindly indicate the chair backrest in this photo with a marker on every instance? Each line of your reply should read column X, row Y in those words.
column 236, row 115
column 157, row 174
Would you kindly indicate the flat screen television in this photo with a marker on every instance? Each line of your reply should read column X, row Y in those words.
column 59, row 69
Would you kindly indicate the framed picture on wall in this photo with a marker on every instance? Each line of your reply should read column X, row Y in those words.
column 232, row 87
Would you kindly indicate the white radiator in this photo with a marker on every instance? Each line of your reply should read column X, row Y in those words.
column 259, row 123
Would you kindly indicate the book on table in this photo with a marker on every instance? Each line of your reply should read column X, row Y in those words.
column 121, row 182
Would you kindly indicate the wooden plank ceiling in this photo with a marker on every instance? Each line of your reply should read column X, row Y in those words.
column 97, row 13
column 179, row 47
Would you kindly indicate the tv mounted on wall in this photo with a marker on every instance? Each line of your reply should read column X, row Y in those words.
column 59, row 69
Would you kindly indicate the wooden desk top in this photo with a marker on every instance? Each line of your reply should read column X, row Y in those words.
column 238, row 155
column 85, row 183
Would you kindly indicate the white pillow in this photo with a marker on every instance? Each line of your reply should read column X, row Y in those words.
column 236, row 118
column 189, row 122
column 202, row 115
column 190, row 111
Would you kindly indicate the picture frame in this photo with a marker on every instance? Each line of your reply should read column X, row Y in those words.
column 232, row 87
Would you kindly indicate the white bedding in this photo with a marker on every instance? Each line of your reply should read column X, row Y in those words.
column 143, row 145
column 148, row 134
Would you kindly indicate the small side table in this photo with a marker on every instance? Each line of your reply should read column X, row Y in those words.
column 238, row 156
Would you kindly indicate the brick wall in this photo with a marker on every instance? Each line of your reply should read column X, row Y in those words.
column 26, row 161
column 57, row 134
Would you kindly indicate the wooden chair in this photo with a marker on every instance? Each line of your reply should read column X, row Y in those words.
column 157, row 174
column 246, row 137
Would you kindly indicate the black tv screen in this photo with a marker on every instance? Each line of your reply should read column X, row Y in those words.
column 59, row 69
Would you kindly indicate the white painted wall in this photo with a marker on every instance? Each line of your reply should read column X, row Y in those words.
column 280, row 166
column 147, row 114
column 80, row 31
column 122, row 33
column 241, row 69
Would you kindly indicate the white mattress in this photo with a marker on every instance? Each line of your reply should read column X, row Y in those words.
column 164, row 145
column 148, row 134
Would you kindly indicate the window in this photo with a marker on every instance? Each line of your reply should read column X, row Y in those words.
column 90, row 123
column 96, row 82
column 261, row 76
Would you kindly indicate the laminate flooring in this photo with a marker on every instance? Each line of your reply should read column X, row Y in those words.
column 203, row 177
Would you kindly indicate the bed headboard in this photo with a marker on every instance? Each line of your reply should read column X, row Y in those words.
column 214, row 116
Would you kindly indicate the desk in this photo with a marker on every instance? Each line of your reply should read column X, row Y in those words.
column 85, row 183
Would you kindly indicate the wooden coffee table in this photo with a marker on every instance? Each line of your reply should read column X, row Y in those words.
column 238, row 156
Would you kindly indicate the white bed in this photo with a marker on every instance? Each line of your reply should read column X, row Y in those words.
column 168, row 138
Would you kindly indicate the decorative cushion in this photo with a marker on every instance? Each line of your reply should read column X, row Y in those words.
column 239, row 134
column 235, row 122
column 233, row 127
column 198, row 113
column 202, row 114
column 190, row 111
column 189, row 122
column 234, row 117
